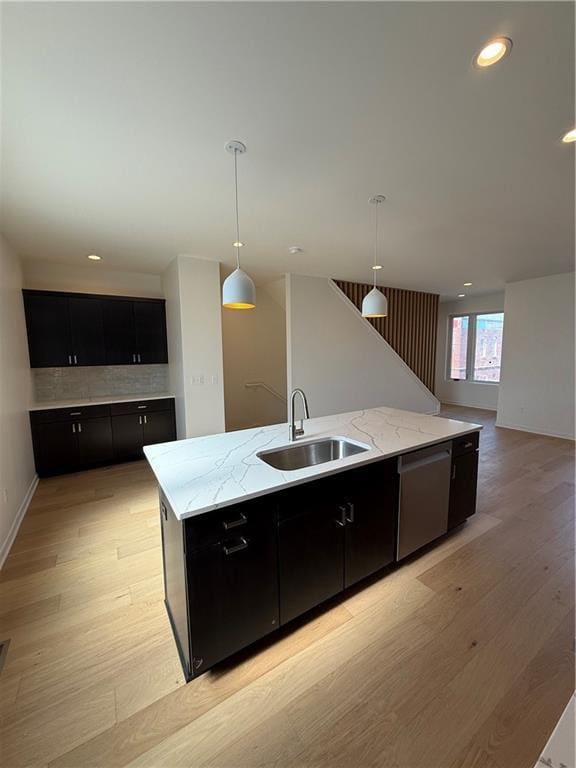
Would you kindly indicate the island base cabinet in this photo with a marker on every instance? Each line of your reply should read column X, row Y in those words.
column 233, row 588
column 463, row 484
column 311, row 551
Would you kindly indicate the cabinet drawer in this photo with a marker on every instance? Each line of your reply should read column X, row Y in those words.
column 142, row 406
column 69, row 414
column 465, row 443
column 228, row 524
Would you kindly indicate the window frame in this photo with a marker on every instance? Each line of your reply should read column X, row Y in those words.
column 470, row 347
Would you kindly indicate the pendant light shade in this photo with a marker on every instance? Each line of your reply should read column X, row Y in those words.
column 238, row 291
column 375, row 304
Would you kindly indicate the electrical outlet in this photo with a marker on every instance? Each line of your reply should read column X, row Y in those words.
column 198, row 379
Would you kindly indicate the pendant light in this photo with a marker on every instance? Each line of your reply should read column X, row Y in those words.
column 375, row 304
column 238, row 291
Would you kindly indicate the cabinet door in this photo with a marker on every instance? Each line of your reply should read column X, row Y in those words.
column 87, row 331
column 233, row 589
column 370, row 495
column 311, row 549
column 95, row 441
column 463, row 488
column 56, row 448
column 128, row 437
column 119, row 332
column 150, row 320
column 48, row 327
column 159, row 427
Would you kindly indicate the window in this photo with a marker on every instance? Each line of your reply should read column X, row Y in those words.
column 475, row 347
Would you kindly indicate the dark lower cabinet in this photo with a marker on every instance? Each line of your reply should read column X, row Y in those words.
column 67, row 440
column 233, row 588
column 311, row 548
column 463, row 486
column 370, row 496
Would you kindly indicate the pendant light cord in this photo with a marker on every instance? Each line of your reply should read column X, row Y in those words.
column 375, row 244
column 237, row 216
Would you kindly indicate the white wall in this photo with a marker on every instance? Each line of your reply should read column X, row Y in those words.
column 537, row 384
column 192, row 288
column 90, row 277
column 337, row 357
column 17, row 473
column 470, row 393
column 254, row 343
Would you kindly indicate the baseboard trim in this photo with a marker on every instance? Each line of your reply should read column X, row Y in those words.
column 466, row 405
column 22, row 509
column 533, row 431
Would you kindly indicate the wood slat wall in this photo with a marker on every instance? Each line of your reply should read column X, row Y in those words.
column 410, row 328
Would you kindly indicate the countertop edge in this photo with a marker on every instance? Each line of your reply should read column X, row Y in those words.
column 105, row 400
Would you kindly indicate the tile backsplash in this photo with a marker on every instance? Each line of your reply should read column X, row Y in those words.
column 51, row 384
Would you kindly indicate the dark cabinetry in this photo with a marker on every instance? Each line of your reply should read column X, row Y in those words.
column 135, row 331
column 233, row 582
column 67, row 329
column 70, row 439
column 137, row 424
column 464, row 479
column 63, row 329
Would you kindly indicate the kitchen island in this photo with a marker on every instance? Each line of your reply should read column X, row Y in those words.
column 248, row 547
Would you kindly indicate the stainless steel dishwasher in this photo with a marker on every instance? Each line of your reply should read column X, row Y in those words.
column 424, row 497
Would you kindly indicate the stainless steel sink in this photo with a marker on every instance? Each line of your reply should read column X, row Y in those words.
column 300, row 455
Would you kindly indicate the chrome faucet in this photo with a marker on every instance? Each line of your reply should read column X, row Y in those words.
column 297, row 432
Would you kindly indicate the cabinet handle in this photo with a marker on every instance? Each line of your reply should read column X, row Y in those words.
column 468, row 445
column 75, row 413
column 74, row 428
column 133, row 358
column 242, row 520
column 139, row 358
column 350, row 518
column 79, row 427
column 75, row 360
column 142, row 406
column 69, row 359
column 342, row 521
column 145, row 420
column 139, row 419
column 236, row 548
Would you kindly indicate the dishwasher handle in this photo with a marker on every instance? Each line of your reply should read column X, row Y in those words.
column 412, row 462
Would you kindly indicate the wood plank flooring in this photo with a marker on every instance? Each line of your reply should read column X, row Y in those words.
column 461, row 658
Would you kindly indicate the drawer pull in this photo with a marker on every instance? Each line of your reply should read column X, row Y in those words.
column 75, row 413
column 236, row 548
column 468, row 445
column 242, row 520
column 142, row 406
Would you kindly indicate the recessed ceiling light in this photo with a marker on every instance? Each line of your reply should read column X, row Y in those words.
column 467, row 284
column 493, row 51
column 377, row 266
column 569, row 137
column 461, row 295
column 237, row 244
column 94, row 257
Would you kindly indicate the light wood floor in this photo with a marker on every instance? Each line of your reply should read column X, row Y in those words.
column 461, row 658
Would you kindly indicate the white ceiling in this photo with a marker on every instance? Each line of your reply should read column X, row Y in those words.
column 115, row 117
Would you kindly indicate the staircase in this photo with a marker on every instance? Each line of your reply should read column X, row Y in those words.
column 411, row 326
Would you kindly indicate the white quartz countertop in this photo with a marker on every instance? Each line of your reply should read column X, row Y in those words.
column 205, row 473
column 96, row 401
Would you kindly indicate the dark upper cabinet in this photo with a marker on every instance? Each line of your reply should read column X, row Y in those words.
column 67, row 329
column 463, row 485
column 311, row 548
column 369, row 495
column 233, row 585
column 86, row 331
column 150, row 325
column 48, row 326
column 135, row 331
column 119, row 332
